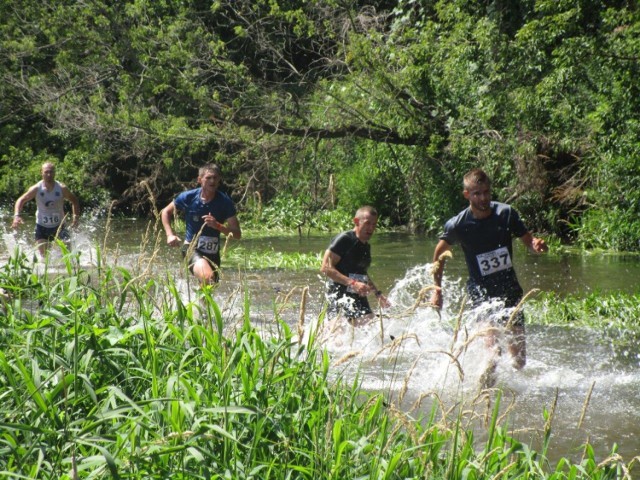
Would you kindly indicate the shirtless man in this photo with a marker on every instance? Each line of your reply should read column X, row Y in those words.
column 50, row 217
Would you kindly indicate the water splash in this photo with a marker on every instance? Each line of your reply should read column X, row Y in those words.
column 412, row 347
column 414, row 354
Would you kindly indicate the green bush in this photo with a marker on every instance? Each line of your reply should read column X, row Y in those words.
column 614, row 229
column 287, row 213
column 21, row 168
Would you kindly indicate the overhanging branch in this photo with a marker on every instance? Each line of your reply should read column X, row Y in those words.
column 376, row 134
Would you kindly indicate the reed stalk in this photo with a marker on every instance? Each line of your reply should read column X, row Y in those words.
column 586, row 404
column 303, row 310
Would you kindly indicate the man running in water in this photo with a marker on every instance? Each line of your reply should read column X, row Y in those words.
column 50, row 217
column 345, row 263
column 207, row 213
column 485, row 230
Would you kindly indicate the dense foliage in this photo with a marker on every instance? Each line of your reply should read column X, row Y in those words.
column 333, row 103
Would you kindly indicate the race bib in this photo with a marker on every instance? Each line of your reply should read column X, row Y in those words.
column 495, row 261
column 208, row 244
column 50, row 220
column 358, row 277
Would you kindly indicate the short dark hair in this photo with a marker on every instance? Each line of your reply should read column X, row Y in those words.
column 475, row 177
column 209, row 167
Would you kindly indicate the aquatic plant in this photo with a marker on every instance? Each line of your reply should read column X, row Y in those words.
column 254, row 259
column 613, row 315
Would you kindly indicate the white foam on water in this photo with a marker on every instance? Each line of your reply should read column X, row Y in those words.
column 415, row 351
column 415, row 348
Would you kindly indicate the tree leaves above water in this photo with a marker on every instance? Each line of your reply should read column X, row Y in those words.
column 286, row 95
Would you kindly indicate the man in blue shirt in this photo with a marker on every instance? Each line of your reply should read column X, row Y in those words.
column 207, row 213
column 485, row 230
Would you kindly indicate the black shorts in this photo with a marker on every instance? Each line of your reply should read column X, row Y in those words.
column 508, row 298
column 212, row 258
column 50, row 234
column 350, row 304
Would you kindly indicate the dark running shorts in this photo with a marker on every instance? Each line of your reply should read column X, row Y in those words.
column 499, row 314
column 50, row 234
column 350, row 304
column 213, row 259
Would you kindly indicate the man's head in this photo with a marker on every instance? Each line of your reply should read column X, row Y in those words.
column 365, row 220
column 475, row 177
column 209, row 175
column 477, row 189
column 48, row 172
column 209, row 167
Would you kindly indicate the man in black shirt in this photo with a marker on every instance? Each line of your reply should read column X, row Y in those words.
column 485, row 230
column 345, row 263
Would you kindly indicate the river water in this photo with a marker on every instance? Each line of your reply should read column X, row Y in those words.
column 421, row 359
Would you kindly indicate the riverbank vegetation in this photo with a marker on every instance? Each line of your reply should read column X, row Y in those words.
column 109, row 373
column 614, row 315
column 318, row 106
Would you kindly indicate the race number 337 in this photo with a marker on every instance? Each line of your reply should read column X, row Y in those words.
column 494, row 261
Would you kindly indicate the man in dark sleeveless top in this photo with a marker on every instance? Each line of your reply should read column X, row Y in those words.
column 485, row 230
column 346, row 263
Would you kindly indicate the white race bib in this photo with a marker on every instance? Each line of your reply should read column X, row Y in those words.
column 495, row 261
column 208, row 244
column 48, row 220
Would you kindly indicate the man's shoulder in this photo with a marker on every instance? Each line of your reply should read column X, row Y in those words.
column 343, row 237
column 32, row 191
column 223, row 197
column 188, row 194
column 460, row 218
column 500, row 207
column 60, row 185
column 35, row 187
column 506, row 212
column 185, row 199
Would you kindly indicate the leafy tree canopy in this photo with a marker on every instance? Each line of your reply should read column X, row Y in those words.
column 338, row 102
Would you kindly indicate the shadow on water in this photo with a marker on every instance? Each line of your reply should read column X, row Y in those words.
column 417, row 357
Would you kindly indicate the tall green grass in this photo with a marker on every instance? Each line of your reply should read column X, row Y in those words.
column 616, row 316
column 272, row 259
column 106, row 373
